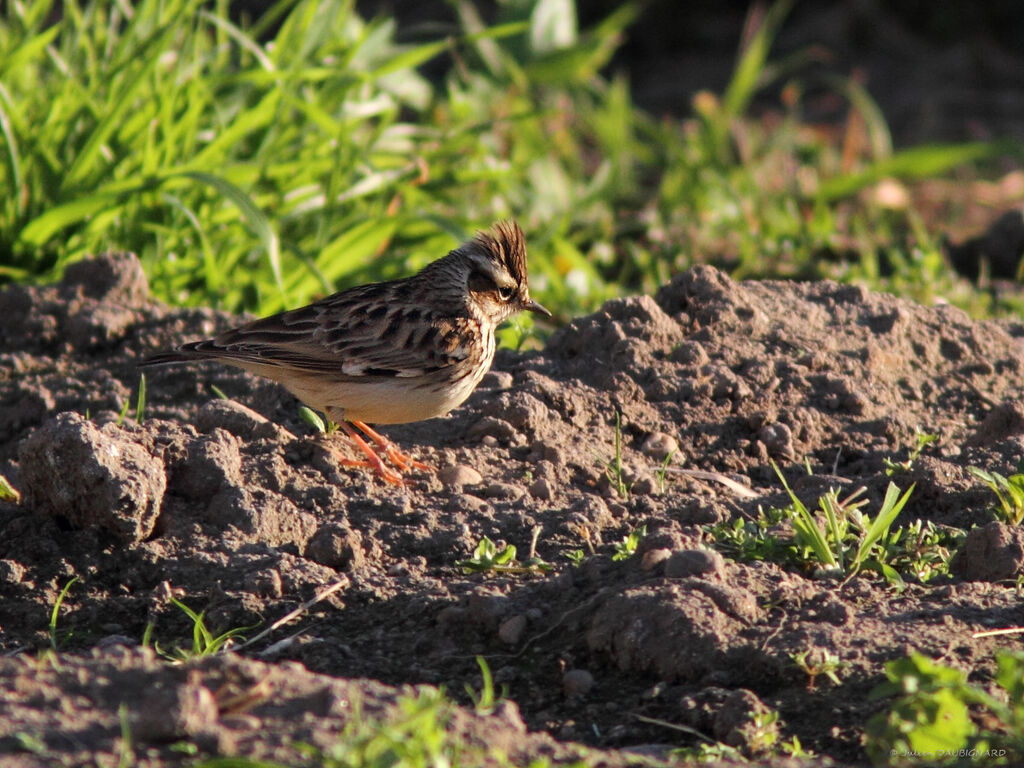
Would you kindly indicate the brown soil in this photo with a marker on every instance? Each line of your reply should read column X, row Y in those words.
column 236, row 508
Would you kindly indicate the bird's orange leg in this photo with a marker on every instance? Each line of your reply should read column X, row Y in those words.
column 403, row 460
column 372, row 459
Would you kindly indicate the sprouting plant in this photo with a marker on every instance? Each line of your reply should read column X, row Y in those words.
column 745, row 539
column 613, row 467
column 921, row 549
column 576, row 557
column 204, row 642
column 847, row 541
column 140, row 404
column 56, row 640
column 1008, row 490
column 533, row 560
column 827, row 664
column 126, row 753
column 485, row 700
column 661, row 475
column 626, row 548
column 893, row 467
column 488, row 558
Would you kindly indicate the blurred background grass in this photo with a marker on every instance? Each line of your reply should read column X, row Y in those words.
column 258, row 165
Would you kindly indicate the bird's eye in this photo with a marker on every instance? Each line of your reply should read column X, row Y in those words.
column 505, row 292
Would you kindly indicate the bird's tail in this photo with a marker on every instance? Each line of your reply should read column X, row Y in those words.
column 186, row 353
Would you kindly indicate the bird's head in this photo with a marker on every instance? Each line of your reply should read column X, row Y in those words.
column 494, row 267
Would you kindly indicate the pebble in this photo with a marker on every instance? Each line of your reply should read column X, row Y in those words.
column 489, row 426
column 504, row 491
column 693, row 562
column 511, row 630
column 486, row 608
column 658, row 445
column 778, row 438
column 459, row 475
column 653, row 558
column 541, row 489
column 577, row 682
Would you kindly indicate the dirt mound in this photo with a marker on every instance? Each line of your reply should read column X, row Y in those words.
column 234, row 507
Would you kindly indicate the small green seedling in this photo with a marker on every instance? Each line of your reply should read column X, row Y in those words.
column 488, row 559
column 126, row 753
column 204, row 642
column 828, row 664
column 626, row 548
column 895, row 467
column 661, row 476
column 920, row 549
column 140, row 404
column 485, row 700
column 1008, row 490
column 576, row 557
column 55, row 639
column 613, row 467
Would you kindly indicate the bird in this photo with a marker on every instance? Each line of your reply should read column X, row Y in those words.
column 390, row 352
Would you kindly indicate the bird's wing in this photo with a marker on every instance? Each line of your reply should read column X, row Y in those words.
column 360, row 332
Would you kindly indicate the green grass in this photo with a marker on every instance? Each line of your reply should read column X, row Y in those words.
column 57, row 638
column 260, row 165
column 838, row 538
column 1009, row 493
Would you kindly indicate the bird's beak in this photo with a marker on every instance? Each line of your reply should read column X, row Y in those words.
column 534, row 306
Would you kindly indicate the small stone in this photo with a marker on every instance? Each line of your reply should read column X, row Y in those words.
column 459, row 475
column 577, row 682
column 336, row 546
column 504, row 491
column 485, row 608
column 466, row 502
column 541, row 489
column 451, row 616
column 658, row 445
column 654, row 558
column 239, row 420
column 778, row 439
column 499, row 429
column 510, row 631
column 693, row 562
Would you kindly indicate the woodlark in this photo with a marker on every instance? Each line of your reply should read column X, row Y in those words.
column 387, row 353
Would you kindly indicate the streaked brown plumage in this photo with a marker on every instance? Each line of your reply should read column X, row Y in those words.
column 390, row 352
